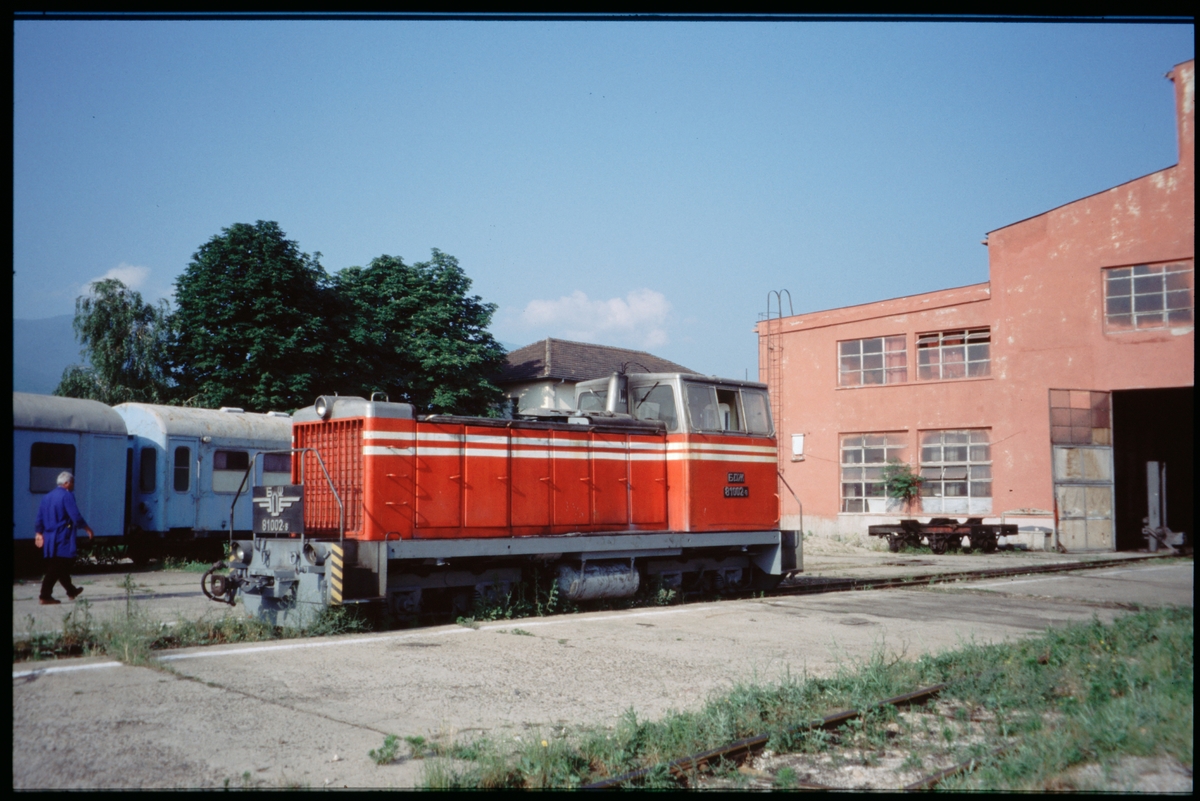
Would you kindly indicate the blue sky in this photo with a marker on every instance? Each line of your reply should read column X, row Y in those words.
column 634, row 184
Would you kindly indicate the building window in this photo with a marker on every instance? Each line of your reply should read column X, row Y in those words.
column 863, row 458
column 1148, row 296
column 957, row 470
column 46, row 461
column 882, row 360
column 1080, row 417
column 965, row 353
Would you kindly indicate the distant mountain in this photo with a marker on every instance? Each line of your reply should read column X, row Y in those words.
column 42, row 349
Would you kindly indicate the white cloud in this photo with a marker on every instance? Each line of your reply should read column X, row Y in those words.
column 638, row 319
column 129, row 275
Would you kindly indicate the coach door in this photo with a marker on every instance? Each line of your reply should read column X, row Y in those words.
column 183, row 481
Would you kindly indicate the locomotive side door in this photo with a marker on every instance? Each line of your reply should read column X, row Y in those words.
column 181, row 489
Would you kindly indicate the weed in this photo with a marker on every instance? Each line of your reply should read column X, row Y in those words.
column 785, row 779
column 1080, row 693
column 468, row 622
column 522, row 632
column 416, row 743
column 185, row 565
column 386, row 752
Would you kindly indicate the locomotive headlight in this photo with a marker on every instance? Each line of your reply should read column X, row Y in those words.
column 323, row 407
column 239, row 553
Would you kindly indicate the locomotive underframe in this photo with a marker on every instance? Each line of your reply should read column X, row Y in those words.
column 285, row 585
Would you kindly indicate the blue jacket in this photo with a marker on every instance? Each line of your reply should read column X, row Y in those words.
column 57, row 520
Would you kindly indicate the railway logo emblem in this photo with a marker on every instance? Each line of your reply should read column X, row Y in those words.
column 276, row 501
column 279, row 510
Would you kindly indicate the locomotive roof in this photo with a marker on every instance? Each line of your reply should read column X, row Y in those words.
column 664, row 377
column 187, row 422
column 52, row 413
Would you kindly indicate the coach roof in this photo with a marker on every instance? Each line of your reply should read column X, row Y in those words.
column 52, row 413
column 144, row 419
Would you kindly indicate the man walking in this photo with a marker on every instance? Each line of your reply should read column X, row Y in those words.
column 57, row 520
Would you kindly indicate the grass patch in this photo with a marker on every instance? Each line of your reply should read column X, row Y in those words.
column 132, row 637
column 1086, row 693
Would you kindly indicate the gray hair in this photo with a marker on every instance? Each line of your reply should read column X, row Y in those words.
column 65, row 478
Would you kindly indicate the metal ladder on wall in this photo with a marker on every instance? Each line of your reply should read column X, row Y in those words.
column 773, row 320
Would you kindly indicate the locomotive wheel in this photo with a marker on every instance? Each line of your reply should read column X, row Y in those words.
column 937, row 545
column 989, row 546
column 893, row 543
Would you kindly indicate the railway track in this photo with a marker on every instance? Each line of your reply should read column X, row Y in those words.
column 688, row 771
column 815, row 586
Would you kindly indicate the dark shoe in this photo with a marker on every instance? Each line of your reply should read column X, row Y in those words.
column 74, row 593
column 48, row 601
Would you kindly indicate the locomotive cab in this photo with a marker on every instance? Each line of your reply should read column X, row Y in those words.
column 659, row 479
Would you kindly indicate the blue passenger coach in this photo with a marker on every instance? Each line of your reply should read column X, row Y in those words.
column 85, row 437
column 187, row 467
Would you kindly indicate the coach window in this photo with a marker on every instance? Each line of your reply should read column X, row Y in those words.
column 229, row 467
column 46, row 461
column 277, row 469
column 148, row 470
column 183, row 469
column 656, row 402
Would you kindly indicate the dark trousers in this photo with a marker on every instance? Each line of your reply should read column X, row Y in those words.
column 58, row 569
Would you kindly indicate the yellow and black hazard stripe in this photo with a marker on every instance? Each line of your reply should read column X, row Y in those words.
column 337, row 574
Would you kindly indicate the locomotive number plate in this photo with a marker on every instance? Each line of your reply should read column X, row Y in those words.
column 737, row 492
column 279, row 510
column 736, row 478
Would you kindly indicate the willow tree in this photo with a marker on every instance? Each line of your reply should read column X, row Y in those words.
column 123, row 341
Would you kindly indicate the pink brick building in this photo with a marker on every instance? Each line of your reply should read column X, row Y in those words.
column 1039, row 395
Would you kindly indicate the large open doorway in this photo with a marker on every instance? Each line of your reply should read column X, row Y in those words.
column 1152, row 425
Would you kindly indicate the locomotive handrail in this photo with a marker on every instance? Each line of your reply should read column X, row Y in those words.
column 328, row 478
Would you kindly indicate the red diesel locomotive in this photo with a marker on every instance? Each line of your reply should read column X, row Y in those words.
column 661, row 477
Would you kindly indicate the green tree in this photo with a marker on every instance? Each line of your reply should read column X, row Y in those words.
column 123, row 341
column 413, row 332
column 249, row 329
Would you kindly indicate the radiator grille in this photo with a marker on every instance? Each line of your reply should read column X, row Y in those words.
column 340, row 444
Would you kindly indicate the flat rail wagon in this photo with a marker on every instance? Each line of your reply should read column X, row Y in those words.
column 944, row 533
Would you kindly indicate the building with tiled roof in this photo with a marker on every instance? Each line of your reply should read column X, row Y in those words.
column 543, row 375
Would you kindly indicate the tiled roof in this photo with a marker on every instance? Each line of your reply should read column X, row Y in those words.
column 579, row 361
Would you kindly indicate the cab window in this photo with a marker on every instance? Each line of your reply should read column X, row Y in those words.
column 757, row 411
column 592, row 400
column 729, row 410
column 655, row 402
column 702, row 407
